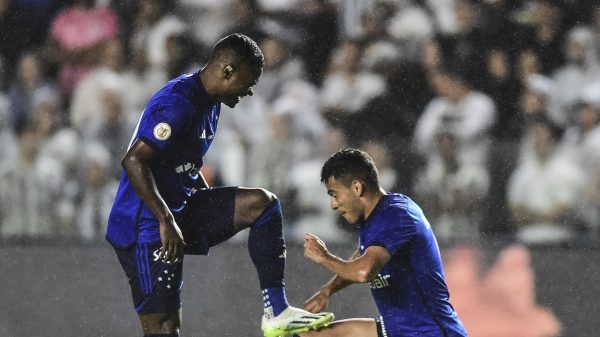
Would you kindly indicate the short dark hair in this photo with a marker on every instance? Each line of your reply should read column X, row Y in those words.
column 245, row 49
column 351, row 164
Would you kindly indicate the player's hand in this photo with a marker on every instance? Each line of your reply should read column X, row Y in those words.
column 314, row 248
column 172, row 241
column 318, row 302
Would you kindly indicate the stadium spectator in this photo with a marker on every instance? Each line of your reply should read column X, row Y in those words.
column 29, row 81
column 281, row 67
column 595, row 26
column 319, row 20
column 7, row 136
column 582, row 69
column 459, row 108
column 314, row 213
column 154, row 23
column 76, row 37
column 381, row 157
column 86, row 105
column 27, row 194
column 113, row 129
column 348, row 87
column 244, row 17
column 59, row 157
column 24, row 26
column 277, row 157
column 547, row 33
column 499, row 83
column 582, row 140
column 180, row 50
column 544, row 189
column 453, row 191
column 98, row 190
column 467, row 45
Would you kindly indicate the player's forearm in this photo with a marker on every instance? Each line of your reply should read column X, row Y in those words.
column 141, row 178
column 351, row 271
column 336, row 284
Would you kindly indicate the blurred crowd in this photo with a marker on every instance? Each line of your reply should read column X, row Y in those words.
column 487, row 112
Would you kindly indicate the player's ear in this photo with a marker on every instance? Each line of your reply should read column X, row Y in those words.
column 358, row 188
column 227, row 71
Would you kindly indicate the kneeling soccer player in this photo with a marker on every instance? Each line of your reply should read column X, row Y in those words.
column 397, row 253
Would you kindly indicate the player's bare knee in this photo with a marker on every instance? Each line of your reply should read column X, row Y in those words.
column 170, row 326
column 164, row 323
column 261, row 200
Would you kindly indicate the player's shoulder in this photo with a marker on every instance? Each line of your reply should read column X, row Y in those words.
column 177, row 94
column 395, row 202
column 178, row 91
column 401, row 208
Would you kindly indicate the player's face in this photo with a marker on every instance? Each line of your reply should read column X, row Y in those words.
column 240, row 85
column 345, row 199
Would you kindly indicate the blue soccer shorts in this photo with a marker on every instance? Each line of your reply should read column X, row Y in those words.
column 155, row 285
column 381, row 331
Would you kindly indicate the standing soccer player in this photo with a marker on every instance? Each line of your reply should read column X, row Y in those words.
column 164, row 206
column 397, row 254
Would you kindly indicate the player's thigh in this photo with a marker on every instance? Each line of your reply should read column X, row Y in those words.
column 208, row 219
column 250, row 203
column 355, row 327
column 161, row 323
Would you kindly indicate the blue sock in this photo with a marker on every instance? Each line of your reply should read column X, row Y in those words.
column 267, row 251
column 275, row 299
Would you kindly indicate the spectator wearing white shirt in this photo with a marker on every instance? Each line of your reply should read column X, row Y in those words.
column 458, row 108
column 582, row 69
column 453, row 191
column 582, row 140
column 280, row 68
column 155, row 22
column 348, row 87
column 544, row 189
column 28, row 190
column 97, row 192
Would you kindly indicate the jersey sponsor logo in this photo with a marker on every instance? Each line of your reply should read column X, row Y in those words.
column 188, row 168
column 162, row 131
column 381, row 281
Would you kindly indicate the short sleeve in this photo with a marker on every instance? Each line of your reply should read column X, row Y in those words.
column 162, row 125
column 392, row 236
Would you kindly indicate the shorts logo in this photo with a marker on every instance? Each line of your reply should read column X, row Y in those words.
column 156, row 255
column 162, row 131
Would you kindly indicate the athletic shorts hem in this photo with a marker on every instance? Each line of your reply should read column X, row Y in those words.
column 160, row 304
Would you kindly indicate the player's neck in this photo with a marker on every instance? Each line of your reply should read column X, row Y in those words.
column 371, row 199
column 207, row 83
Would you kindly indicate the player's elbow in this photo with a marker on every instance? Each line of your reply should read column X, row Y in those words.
column 130, row 162
column 127, row 161
column 366, row 274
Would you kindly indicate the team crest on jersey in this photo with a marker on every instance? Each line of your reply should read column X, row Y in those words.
column 162, row 131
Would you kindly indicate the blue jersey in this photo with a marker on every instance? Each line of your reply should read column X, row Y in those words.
column 410, row 290
column 179, row 122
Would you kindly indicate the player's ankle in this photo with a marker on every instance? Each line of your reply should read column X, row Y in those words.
column 275, row 301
